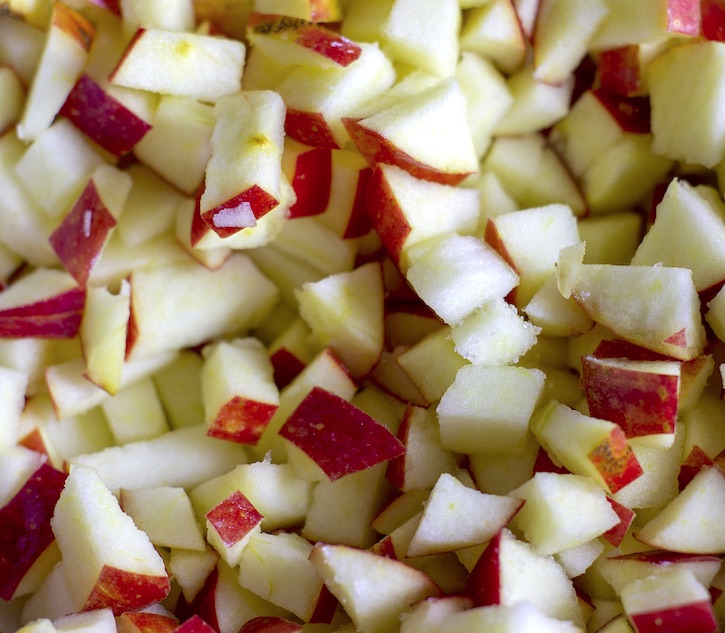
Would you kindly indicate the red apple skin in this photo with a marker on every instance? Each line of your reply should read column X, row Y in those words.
column 375, row 148
column 145, row 622
column 234, row 518
column 57, row 317
column 640, row 403
column 25, row 531
column 80, row 237
column 395, row 473
column 386, row 216
column 484, row 581
column 696, row 617
column 615, row 460
column 311, row 182
column 73, row 23
column 615, row 535
column 241, row 420
column 544, row 464
column 35, row 442
column 309, row 128
column 619, row 72
column 286, row 367
column 340, row 438
column 203, row 605
column 102, row 118
column 122, row 590
column 195, row 624
column 270, row 624
column 684, row 17
column 325, row 608
column 257, row 198
column 713, row 20
column 632, row 114
column 359, row 222
column 385, row 547
column 695, row 461
column 314, row 37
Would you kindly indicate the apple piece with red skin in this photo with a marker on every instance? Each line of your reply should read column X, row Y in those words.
column 640, row 396
column 498, row 578
column 267, row 624
column 46, row 303
column 80, row 237
column 619, row 71
column 230, row 524
column 244, row 177
column 145, row 622
column 615, row 535
column 115, row 564
column 285, row 39
column 310, row 172
column 694, row 462
column 64, row 55
column 195, row 624
column 673, row 600
column 25, row 530
column 103, row 118
column 337, row 437
column 396, row 135
column 713, row 20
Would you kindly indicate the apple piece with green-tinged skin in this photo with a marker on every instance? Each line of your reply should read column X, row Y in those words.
column 425, row 459
column 81, row 236
column 669, row 78
column 619, row 570
column 25, row 526
column 456, row 516
column 312, row 10
column 374, row 590
column 238, row 390
column 115, row 565
column 65, row 52
column 586, row 445
column 396, row 135
column 233, row 298
column 146, row 622
column 244, row 176
column 640, row 396
column 46, row 303
column 264, row 624
column 345, row 313
column 103, row 118
column 165, row 514
column 548, row 497
column 230, row 524
column 673, row 600
column 688, row 523
column 310, row 172
column 499, row 578
column 555, row 21
column 405, row 210
column 295, row 40
column 336, row 438
column 530, row 241
column 318, row 98
column 494, row 31
column 654, row 307
column 181, row 64
column 487, row 409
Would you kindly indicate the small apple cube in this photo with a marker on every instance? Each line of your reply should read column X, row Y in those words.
column 230, row 524
column 337, row 437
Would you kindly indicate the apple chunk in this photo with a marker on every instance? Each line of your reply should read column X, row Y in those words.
column 337, row 436
column 114, row 564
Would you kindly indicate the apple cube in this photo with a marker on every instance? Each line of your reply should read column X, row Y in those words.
column 135, row 413
column 548, row 498
column 230, row 525
column 374, row 590
column 238, row 390
column 487, row 409
column 586, row 445
column 400, row 135
column 181, row 64
column 120, row 568
column 337, row 437
column 243, row 185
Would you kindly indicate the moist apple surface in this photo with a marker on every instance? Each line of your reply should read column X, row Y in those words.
column 386, row 316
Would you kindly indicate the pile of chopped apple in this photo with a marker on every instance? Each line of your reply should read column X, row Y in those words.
column 375, row 316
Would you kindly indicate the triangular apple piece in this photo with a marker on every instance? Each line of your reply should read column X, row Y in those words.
column 400, row 135
column 456, row 516
column 374, row 590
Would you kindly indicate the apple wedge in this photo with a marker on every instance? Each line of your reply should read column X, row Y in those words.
column 121, row 570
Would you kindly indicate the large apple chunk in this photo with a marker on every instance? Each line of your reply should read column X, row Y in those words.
column 111, row 562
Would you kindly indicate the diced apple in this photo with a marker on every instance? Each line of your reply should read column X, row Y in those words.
column 230, row 525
